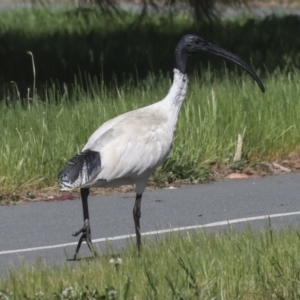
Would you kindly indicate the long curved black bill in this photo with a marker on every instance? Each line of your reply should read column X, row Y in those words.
column 212, row 49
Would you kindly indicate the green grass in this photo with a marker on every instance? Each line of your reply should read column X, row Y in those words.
column 39, row 134
column 66, row 42
column 251, row 264
column 38, row 138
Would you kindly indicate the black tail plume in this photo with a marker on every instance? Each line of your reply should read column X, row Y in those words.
column 80, row 169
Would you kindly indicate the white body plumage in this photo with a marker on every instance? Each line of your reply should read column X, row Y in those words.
column 134, row 144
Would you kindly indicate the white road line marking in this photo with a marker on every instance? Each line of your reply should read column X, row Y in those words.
column 121, row 237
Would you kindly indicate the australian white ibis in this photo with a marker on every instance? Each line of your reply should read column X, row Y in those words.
column 127, row 149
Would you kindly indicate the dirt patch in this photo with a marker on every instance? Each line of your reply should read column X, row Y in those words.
column 237, row 171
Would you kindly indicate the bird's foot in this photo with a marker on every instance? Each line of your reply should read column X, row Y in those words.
column 86, row 236
column 85, row 230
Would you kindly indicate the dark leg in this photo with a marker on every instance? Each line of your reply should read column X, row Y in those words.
column 86, row 229
column 136, row 217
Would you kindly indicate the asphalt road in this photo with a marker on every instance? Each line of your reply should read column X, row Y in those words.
column 44, row 229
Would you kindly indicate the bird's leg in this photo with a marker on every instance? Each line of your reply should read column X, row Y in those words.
column 86, row 229
column 136, row 217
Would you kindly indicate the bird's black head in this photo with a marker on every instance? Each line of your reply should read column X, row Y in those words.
column 191, row 44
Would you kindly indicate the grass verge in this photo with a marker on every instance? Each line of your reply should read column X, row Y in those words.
column 37, row 138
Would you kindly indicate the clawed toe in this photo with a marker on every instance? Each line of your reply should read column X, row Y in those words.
column 86, row 236
column 85, row 230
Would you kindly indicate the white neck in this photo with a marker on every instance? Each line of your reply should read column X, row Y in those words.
column 176, row 94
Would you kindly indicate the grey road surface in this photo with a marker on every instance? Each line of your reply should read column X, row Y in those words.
column 44, row 229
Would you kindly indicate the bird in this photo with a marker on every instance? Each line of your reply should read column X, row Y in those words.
column 127, row 149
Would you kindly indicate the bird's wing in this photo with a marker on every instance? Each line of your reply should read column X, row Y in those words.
column 133, row 147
